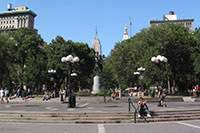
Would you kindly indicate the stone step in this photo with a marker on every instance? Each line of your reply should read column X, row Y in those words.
column 95, row 117
column 65, row 122
column 69, row 118
column 173, row 119
column 175, row 113
column 66, row 115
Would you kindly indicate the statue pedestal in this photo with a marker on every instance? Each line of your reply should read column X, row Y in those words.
column 97, row 85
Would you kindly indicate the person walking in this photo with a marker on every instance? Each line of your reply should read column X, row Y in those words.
column 197, row 89
column 1, row 95
column 6, row 94
column 162, row 94
column 160, row 91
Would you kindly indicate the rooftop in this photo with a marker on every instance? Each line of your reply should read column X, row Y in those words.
column 164, row 21
column 28, row 11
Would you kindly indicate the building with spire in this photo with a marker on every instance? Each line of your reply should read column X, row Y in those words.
column 96, row 45
column 125, row 37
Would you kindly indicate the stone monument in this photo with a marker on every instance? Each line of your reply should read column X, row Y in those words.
column 98, row 83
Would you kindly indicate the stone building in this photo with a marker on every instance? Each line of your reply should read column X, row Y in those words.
column 172, row 18
column 16, row 18
column 96, row 45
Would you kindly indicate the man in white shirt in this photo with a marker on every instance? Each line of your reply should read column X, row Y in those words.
column 1, row 95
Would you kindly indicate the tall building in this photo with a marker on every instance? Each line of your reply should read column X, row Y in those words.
column 172, row 18
column 125, row 37
column 96, row 45
column 16, row 18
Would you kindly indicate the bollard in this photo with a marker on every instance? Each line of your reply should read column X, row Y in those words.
column 129, row 104
column 135, row 116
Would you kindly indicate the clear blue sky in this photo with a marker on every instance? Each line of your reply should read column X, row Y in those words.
column 76, row 19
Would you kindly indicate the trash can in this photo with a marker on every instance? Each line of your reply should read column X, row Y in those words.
column 72, row 100
column 61, row 98
column 194, row 93
column 152, row 93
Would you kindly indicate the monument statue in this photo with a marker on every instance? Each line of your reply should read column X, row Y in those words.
column 98, row 80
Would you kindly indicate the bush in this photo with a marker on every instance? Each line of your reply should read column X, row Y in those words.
column 83, row 94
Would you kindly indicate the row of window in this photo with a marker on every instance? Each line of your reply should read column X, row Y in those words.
column 188, row 23
column 8, row 22
column 182, row 23
column 9, row 18
column 7, row 27
column 6, row 18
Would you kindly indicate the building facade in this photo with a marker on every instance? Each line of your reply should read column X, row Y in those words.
column 125, row 37
column 16, row 18
column 172, row 18
column 96, row 45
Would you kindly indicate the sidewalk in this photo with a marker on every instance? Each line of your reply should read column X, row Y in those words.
column 98, row 99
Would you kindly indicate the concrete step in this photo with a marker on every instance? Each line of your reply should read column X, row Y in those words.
column 172, row 119
column 197, row 99
column 95, row 117
column 65, row 121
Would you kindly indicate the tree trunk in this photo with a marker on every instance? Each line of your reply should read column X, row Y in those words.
column 169, row 87
column 174, row 85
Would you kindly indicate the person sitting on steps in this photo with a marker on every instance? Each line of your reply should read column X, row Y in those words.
column 142, row 108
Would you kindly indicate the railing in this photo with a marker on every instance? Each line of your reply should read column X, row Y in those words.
column 130, row 102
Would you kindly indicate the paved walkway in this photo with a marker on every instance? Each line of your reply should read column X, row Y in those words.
column 92, row 107
column 172, row 127
column 97, row 99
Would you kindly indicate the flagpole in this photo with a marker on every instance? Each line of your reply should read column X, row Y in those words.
column 130, row 26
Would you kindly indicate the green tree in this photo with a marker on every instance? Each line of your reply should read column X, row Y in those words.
column 26, row 55
column 5, row 61
column 59, row 48
column 170, row 40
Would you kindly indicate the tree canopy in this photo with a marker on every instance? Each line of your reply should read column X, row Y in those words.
column 170, row 40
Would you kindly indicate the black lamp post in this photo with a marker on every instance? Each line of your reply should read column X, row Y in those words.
column 137, row 74
column 158, row 60
column 51, row 72
column 141, row 70
column 70, row 60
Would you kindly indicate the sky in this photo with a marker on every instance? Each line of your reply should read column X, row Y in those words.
column 76, row 19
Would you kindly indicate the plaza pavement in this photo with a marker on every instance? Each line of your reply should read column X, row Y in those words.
column 88, row 105
column 168, row 127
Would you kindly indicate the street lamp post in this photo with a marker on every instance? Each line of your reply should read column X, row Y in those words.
column 158, row 60
column 141, row 70
column 51, row 72
column 73, row 76
column 70, row 60
column 137, row 74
